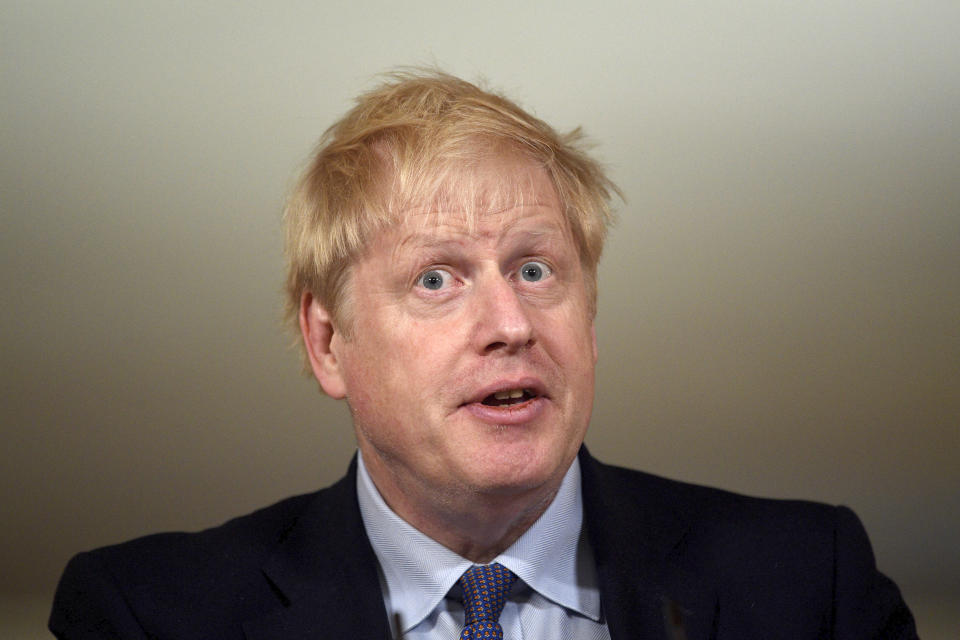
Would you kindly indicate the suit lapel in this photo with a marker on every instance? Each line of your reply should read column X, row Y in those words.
column 636, row 533
column 325, row 575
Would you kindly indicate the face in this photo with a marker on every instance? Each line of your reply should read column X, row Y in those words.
column 469, row 366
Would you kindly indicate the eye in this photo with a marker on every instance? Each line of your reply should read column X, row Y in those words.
column 435, row 279
column 534, row 271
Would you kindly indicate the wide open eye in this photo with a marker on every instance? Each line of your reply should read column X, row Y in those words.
column 534, row 271
column 435, row 279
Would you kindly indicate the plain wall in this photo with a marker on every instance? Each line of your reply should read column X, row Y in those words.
column 780, row 301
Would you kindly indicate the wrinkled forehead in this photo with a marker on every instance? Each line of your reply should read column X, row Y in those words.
column 471, row 192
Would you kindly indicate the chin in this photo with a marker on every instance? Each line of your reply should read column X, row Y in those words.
column 519, row 470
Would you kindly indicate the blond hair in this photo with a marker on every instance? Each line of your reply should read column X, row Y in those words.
column 403, row 144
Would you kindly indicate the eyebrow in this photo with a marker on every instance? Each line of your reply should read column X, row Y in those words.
column 426, row 240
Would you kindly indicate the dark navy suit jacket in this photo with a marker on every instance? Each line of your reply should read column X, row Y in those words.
column 675, row 562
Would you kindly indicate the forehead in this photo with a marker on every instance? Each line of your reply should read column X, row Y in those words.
column 494, row 196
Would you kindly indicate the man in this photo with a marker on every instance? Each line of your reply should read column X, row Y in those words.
column 443, row 250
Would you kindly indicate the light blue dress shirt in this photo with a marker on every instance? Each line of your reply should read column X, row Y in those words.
column 556, row 595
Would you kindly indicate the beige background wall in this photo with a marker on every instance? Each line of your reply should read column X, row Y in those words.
column 780, row 303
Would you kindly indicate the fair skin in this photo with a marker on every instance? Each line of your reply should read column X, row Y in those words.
column 469, row 365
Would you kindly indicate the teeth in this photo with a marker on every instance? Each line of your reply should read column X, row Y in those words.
column 508, row 395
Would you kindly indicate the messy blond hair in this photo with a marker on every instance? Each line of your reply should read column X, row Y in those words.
column 401, row 145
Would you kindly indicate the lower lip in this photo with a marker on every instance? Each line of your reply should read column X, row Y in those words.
column 509, row 414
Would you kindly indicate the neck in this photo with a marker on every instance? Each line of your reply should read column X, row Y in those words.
column 476, row 525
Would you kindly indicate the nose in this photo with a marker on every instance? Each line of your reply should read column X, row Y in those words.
column 503, row 321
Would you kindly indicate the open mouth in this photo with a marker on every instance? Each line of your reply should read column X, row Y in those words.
column 509, row 397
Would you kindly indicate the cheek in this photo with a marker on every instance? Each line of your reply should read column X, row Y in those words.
column 573, row 328
column 390, row 370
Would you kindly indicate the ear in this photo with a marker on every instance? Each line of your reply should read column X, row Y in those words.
column 318, row 334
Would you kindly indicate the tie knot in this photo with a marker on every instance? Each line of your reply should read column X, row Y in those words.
column 485, row 590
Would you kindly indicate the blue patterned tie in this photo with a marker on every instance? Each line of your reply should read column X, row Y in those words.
column 484, row 594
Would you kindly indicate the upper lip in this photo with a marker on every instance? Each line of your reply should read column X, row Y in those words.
column 532, row 384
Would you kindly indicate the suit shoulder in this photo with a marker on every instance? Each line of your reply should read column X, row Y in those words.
column 208, row 555
column 193, row 585
column 810, row 562
column 730, row 521
column 701, row 500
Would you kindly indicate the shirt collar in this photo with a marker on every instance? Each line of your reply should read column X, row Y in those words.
column 552, row 556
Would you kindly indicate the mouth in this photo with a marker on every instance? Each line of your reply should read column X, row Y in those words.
column 509, row 402
column 509, row 397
